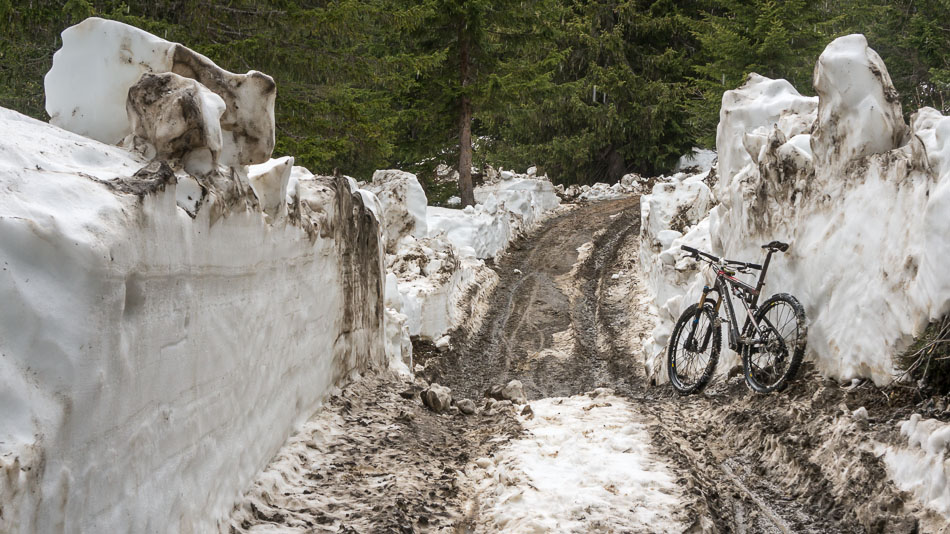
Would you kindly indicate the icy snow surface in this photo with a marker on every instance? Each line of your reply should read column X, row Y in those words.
column 865, row 208
column 584, row 464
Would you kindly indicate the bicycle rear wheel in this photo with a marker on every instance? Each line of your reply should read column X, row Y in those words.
column 694, row 349
column 772, row 365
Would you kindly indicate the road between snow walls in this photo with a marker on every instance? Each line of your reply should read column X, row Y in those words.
column 178, row 304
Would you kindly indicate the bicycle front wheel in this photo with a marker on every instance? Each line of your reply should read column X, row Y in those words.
column 775, row 361
column 694, row 349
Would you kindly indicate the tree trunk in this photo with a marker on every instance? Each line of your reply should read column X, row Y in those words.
column 466, row 192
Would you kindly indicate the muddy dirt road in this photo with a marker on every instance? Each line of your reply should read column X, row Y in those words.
column 567, row 317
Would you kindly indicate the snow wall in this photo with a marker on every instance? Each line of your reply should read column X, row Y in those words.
column 863, row 199
column 170, row 312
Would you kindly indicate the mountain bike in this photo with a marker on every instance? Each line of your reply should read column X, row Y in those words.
column 771, row 340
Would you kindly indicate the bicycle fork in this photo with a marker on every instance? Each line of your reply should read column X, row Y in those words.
column 690, row 340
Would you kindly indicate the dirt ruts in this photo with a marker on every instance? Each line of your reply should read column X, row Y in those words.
column 566, row 317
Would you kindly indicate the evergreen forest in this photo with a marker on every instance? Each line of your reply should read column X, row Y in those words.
column 587, row 89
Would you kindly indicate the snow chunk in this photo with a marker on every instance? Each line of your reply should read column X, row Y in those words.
column 859, row 112
column 178, row 118
column 403, row 202
column 269, row 181
column 923, row 467
column 88, row 85
column 759, row 102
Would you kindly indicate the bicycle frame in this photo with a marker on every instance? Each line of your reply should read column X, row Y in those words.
column 748, row 295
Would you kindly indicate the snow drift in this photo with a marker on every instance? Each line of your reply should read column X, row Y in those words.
column 863, row 199
column 163, row 328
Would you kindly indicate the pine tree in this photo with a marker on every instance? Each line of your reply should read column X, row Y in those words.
column 615, row 101
column 775, row 38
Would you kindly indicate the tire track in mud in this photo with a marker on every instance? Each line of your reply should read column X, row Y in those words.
column 723, row 444
column 534, row 307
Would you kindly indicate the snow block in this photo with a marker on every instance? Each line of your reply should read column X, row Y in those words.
column 153, row 360
column 859, row 111
column 760, row 102
column 87, row 87
column 178, row 117
column 403, row 203
column 269, row 181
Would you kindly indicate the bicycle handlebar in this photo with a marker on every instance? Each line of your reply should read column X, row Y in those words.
column 696, row 253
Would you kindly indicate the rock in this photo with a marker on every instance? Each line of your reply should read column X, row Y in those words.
column 452, row 410
column 437, row 398
column 177, row 119
column 513, row 391
column 466, row 406
column 527, row 412
column 861, row 414
column 494, row 392
column 443, row 343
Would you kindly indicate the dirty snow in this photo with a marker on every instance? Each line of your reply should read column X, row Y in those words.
column 157, row 337
column 865, row 211
column 584, row 464
column 436, row 254
column 922, row 466
column 100, row 60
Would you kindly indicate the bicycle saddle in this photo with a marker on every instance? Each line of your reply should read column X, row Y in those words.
column 776, row 245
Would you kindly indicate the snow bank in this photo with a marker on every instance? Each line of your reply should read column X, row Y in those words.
column 923, row 468
column 864, row 204
column 584, row 465
column 154, row 362
column 505, row 209
column 629, row 184
column 164, row 329
column 435, row 254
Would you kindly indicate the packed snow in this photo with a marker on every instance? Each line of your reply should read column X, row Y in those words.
column 584, row 464
column 863, row 203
